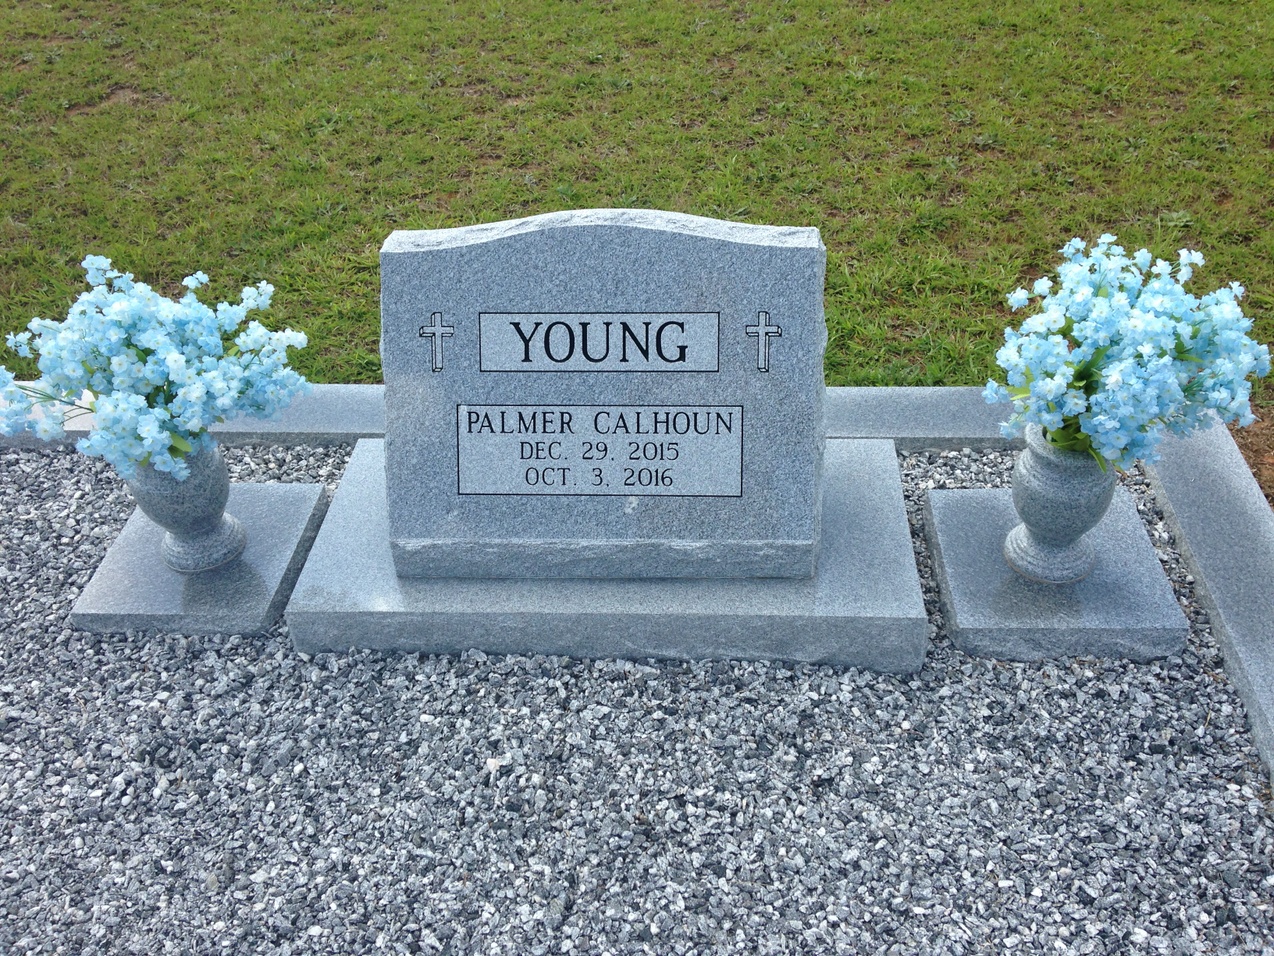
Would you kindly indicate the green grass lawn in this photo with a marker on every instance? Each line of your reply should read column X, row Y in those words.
column 945, row 152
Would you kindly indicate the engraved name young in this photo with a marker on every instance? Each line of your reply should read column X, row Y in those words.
column 592, row 342
column 606, row 393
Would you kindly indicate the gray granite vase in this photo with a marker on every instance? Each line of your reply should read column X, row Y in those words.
column 1060, row 495
column 201, row 536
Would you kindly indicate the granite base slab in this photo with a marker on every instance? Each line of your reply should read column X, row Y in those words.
column 863, row 607
column 134, row 590
column 1125, row 608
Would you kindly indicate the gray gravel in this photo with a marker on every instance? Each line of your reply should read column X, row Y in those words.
column 163, row 793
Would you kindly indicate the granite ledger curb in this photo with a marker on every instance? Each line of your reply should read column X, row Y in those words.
column 1225, row 530
column 1223, row 524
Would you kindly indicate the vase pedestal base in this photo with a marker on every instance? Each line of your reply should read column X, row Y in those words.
column 133, row 589
column 1124, row 608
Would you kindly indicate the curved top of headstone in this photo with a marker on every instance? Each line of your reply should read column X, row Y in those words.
column 422, row 240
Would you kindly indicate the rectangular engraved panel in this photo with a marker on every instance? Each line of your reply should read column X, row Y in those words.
column 597, row 450
column 598, row 341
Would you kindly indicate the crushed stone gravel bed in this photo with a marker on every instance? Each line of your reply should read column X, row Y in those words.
column 163, row 793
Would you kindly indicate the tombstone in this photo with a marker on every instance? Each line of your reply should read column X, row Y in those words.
column 603, row 396
column 604, row 437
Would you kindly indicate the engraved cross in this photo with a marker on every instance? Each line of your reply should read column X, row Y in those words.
column 762, row 332
column 436, row 330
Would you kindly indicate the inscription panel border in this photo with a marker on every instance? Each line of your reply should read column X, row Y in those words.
column 588, row 494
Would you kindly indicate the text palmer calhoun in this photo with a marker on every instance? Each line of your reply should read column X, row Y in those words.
column 604, row 421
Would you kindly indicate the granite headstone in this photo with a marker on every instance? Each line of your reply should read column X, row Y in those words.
column 606, row 394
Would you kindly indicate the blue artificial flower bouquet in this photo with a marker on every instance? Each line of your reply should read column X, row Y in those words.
column 154, row 373
column 1120, row 351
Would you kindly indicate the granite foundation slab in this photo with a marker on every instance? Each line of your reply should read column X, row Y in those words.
column 134, row 590
column 863, row 608
column 1125, row 608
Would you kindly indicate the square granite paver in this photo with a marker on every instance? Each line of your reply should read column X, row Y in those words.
column 134, row 590
column 863, row 607
column 1125, row 608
